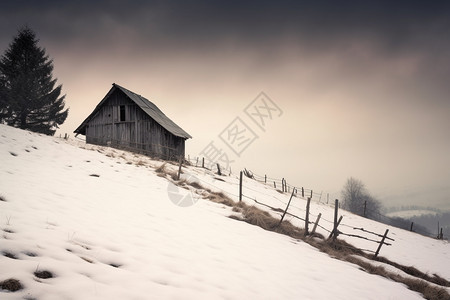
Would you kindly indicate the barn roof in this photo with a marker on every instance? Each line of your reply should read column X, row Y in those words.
column 147, row 106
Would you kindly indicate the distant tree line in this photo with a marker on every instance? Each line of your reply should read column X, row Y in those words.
column 357, row 199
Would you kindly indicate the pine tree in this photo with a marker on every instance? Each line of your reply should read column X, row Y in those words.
column 28, row 96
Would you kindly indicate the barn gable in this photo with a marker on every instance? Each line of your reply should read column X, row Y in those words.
column 124, row 119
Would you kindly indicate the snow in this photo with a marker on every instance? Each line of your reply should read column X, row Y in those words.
column 118, row 234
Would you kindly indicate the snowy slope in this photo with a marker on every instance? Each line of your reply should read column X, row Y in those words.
column 103, row 223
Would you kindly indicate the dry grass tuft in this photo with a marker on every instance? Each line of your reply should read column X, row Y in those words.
column 415, row 284
column 140, row 163
column 173, row 175
column 263, row 219
column 11, row 285
column 43, row 274
column 195, row 185
column 2, row 198
column 220, row 198
column 161, row 169
column 416, row 273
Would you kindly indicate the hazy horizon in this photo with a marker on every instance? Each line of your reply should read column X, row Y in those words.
column 361, row 87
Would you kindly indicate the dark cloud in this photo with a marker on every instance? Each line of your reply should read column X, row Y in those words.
column 395, row 24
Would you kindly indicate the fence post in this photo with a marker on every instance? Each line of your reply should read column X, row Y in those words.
column 303, row 192
column 315, row 224
column 196, row 163
column 336, row 232
column 307, row 216
column 311, row 193
column 328, row 197
column 336, row 207
column 381, row 243
column 240, row 186
column 179, row 168
column 218, row 170
column 438, row 230
column 442, row 235
column 274, row 185
column 203, row 162
column 411, row 229
column 285, row 211
column 265, row 178
column 282, row 185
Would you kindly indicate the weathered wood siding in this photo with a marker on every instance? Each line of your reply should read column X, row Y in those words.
column 138, row 132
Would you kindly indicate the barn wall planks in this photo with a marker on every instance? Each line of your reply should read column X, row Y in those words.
column 137, row 131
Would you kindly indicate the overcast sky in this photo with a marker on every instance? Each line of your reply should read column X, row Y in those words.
column 363, row 86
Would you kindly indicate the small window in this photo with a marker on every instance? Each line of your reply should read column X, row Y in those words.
column 122, row 113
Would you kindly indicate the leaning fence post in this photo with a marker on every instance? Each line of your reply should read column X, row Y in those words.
column 336, row 232
column 315, row 224
column 336, row 207
column 240, row 186
column 307, row 216
column 381, row 243
column 285, row 211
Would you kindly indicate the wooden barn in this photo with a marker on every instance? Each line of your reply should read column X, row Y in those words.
column 126, row 120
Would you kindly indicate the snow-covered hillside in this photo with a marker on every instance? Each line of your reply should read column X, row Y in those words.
column 104, row 224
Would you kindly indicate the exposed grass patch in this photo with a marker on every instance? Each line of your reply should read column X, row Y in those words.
column 140, row 163
column 161, row 169
column 416, row 273
column 44, row 274
column 220, row 198
column 415, row 284
column 12, row 285
column 195, row 185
